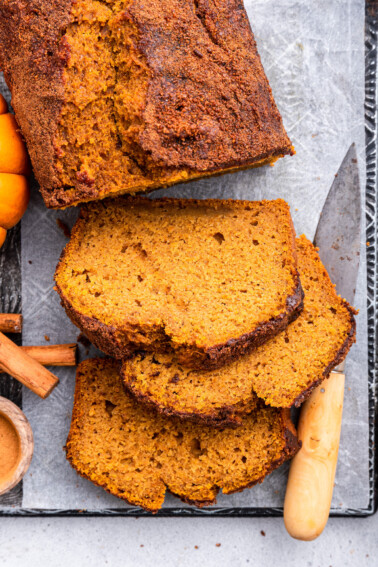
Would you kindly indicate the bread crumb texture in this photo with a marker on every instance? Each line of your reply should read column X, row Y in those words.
column 282, row 372
column 136, row 95
column 207, row 279
column 137, row 456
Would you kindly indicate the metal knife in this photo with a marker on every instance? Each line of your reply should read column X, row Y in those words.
column 312, row 472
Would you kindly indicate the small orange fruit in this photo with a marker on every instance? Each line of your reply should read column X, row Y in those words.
column 13, row 154
column 14, row 198
column 3, row 235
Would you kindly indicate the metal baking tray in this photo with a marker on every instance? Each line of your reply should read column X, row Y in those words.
column 300, row 48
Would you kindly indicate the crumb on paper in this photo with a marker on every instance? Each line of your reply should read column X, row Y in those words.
column 82, row 339
column 196, row 547
column 263, row 533
column 217, row 545
column 30, row 262
column 64, row 228
column 47, row 338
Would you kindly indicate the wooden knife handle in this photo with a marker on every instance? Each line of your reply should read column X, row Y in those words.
column 312, row 471
column 24, row 368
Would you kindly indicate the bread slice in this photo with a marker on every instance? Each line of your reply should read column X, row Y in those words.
column 282, row 372
column 208, row 280
column 137, row 456
column 128, row 96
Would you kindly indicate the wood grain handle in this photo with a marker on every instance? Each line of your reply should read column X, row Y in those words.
column 25, row 369
column 312, row 471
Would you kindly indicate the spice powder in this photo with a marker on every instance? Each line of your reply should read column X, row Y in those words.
column 10, row 449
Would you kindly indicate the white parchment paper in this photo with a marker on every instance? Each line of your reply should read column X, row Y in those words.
column 313, row 54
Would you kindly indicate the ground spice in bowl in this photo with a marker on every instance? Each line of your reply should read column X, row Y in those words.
column 10, row 448
column 16, row 445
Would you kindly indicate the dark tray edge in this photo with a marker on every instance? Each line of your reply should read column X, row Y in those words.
column 182, row 512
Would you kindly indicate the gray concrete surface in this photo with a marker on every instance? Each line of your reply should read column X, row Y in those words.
column 60, row 542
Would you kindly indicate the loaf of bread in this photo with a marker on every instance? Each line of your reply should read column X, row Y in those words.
column 282, row 372
column 137, row 456
column 208, row 280
column 126, row 96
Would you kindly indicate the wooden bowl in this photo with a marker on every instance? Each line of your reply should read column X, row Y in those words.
column 18, row 419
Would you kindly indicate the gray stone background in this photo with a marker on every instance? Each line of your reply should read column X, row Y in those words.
column 313, row 54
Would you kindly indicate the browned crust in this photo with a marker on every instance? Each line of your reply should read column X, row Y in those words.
column 226, row 416
column 290, row 448
column 32, row 57
column 61, row 198
column 196, row 59
column 339, row 357
column 112, row 342
column 248, row 128
column 118, row 344
column 231, row 415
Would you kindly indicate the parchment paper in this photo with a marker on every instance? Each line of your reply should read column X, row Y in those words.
column 313, row 54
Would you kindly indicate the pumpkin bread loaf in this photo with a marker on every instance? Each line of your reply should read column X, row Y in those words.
column 282, row 372
column 208, row 280
column 135, row 455
column 125, row 96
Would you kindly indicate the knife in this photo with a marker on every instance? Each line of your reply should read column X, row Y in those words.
column 312, row 472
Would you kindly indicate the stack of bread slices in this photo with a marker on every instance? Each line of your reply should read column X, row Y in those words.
column 218, row 321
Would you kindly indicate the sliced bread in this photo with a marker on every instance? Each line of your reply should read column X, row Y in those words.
column 135, row 455
column 282, row 372
column 208, row 280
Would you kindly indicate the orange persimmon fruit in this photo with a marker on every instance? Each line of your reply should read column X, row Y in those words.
column 13, row 155
column 14, row 165
column 3, row 234
column 14, row 198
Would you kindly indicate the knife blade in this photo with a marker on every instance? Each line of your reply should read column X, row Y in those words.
column 338, row 235
column 312, row 472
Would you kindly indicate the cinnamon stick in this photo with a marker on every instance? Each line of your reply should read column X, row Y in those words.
column 25, row 369
column 53, row 355
column 10, row 323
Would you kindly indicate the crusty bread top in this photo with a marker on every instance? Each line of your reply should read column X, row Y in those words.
column 282, row 372
column 136, row 455
column 181, row 274
column 126, row 96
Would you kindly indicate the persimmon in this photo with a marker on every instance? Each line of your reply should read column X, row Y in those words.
column 14, row 166
column 14, row 199
column 13, row 154
column 3, row 234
